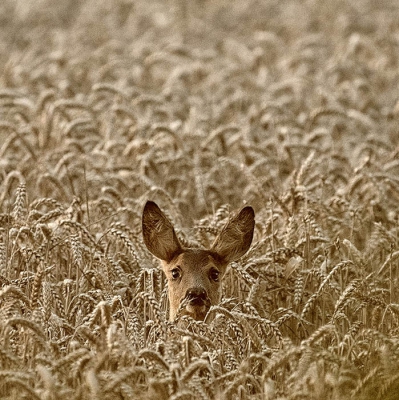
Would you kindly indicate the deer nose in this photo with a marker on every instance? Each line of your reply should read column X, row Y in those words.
column 196, row 295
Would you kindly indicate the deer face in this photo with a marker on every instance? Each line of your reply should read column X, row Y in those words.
column 194, row 275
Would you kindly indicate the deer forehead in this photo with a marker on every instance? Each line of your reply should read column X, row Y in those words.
column 193, row 261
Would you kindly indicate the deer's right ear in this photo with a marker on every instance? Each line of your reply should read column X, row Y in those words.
column 158, row 233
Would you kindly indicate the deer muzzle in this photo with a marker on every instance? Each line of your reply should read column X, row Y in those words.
column 197, row 302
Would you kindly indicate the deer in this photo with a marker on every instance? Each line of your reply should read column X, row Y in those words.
column 194, row 274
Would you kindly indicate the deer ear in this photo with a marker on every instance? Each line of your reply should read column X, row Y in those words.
column 158, row 233
column 236, row 236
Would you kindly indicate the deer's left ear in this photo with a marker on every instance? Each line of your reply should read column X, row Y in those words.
column 158, row 233
column 235, row 238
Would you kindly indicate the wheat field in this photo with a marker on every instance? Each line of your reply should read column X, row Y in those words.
column 202, row 106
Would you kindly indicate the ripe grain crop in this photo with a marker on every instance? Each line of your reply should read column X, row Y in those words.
column 290, row 106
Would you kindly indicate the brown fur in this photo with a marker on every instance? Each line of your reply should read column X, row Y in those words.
column 191, row 272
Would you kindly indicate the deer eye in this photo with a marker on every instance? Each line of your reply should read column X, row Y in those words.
column 176, row 274
column 214, row 274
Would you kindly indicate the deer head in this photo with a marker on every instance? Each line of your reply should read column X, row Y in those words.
column 194, row 275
